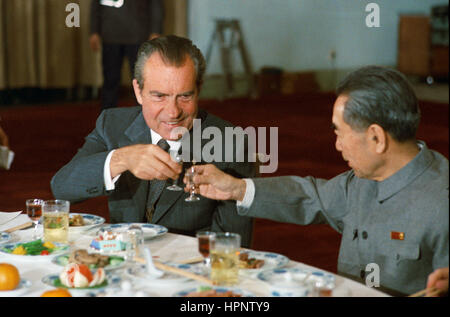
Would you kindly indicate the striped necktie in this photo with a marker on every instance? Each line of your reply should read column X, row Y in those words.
column 156, row 187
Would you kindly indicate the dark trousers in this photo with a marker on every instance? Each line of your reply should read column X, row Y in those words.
column 112, row 59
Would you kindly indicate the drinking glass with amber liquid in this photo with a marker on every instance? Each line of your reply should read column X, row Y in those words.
column 225, row 258
column 34, row 211
column 205, row 238
column 56, row 220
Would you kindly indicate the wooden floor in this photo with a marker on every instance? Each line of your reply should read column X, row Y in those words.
column 45, row 137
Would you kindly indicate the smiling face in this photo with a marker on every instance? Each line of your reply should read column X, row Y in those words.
column 355, row 146
column 169, row 95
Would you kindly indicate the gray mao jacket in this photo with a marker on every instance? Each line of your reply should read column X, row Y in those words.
column 399, row 225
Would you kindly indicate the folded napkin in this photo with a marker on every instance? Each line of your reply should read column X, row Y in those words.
column 12, row 219
column 6, row 157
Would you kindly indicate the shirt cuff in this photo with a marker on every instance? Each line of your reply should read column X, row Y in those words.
column 248, row 196
column 109, row 183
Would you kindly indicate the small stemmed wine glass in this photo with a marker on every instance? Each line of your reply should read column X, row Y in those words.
column 34, row 211
column 190, row 173
column 177, row 158
column 205, row 238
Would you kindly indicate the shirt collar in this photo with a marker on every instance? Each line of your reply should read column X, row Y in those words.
column 174, row 145
column 406, row 174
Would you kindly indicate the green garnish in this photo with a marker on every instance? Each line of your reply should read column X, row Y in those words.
column 57, row 283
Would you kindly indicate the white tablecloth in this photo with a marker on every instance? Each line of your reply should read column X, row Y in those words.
column 168, row 247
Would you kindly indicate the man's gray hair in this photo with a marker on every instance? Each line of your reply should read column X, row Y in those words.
column 382, row 96
column 173, row 50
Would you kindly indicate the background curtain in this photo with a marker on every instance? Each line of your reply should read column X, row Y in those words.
column 37, row 49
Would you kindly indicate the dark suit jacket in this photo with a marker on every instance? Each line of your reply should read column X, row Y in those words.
column 82, row 178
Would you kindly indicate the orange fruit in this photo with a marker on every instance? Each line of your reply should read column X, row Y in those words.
column 59, row 292
column 9, row 277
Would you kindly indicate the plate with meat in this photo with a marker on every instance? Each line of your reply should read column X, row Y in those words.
column 81, row 222
column 213, row 291
column 251, row 262
column 92, row 260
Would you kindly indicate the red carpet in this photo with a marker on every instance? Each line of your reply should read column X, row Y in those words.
column 45, row 137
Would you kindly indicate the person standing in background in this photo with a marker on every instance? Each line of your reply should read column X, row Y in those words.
column 119, row 27
column 3, row 138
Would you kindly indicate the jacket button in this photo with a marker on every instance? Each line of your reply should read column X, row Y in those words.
column 364, row 235
column 362, row 273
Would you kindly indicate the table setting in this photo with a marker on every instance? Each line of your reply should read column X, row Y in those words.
column 55, row 251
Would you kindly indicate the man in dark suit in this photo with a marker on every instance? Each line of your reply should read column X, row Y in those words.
column 119, row 27
column 121, row 158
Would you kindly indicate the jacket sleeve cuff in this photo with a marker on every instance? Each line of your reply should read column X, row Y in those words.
column 248, row 197
column 109, row 182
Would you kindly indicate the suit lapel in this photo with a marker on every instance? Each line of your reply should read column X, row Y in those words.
column 169, row 198
column 138, row 133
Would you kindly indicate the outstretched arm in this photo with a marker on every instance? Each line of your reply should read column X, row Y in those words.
column 214, row 184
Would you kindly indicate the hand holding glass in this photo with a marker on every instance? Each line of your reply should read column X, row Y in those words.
column 177, row 158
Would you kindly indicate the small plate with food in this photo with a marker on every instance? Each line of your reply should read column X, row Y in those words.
column 92, row 260
column 33, row 250
column 213, row 291
column 81, row 222
column 252, row 262
column 79, row 278
column 150, row 230
column 297, row 282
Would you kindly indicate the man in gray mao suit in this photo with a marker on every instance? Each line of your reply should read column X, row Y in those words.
column 120, row 157
column 392, row 207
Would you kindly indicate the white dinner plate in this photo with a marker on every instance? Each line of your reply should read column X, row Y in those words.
column 287, row 282
column 4, row 237
column 150, row 230
column 271, row 261
column 62, row 247
column 112, row 279
column 63, row 260
column 218, row 289
column 90, row 221
column 21, row 289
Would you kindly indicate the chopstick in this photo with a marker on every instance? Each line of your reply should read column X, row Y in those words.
column 191, row 260
column 22, row 226
column 177, row 271
column 432, row 291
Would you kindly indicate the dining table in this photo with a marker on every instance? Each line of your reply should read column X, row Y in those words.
column 165, row 248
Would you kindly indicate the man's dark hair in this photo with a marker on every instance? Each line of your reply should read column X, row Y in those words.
column 173, row 50
column 382, row 96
